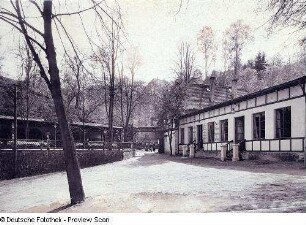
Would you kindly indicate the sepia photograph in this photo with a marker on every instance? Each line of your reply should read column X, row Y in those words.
column 152, row 106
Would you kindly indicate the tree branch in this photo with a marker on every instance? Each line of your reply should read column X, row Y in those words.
column 77, row 12
column 37, row 6
column 11, row 22
column 31, row 47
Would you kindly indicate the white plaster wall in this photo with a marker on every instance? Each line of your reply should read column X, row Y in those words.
column 283, row 94
column 167, row 142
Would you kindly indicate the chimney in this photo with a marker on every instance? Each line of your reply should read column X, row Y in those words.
column 234, row 87
column 212, row 81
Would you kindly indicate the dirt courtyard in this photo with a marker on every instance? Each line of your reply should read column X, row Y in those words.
column 152, row 182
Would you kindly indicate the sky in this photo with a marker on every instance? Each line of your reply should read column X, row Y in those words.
column 157, row 27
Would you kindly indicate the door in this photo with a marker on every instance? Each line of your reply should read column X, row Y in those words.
column 239, row 129
column 200, row 136
column 190, row 135
column 211, row 132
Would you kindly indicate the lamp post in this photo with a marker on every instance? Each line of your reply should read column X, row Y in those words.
column 15, row 131
column 55, row 136
column 104, row 138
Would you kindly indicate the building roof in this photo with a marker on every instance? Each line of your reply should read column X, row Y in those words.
column 300, row 80
column 198, row 96
column 23, row 119
column 92, row 124
column 97, row 125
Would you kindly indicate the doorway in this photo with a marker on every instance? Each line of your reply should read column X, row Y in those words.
column 200, row 136
column 239, row 129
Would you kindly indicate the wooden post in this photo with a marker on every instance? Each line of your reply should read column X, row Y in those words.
column 303, row 87
column 235, row 152
column 48, row 141
column 192, row 151
column 83, row 115
column 223, row 152
column 55, row 136
column 305, row 131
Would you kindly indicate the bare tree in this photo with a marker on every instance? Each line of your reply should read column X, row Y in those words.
column 235, row 37
column 288, row 13
column 185, row 64
column 130, row 91
column 107, row 53
column 171, row 108
column 40, row 41
column 77, row 69
column 207, row 45
column 28, row 69
column 75, row 82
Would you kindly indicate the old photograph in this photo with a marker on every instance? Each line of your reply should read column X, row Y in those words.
column 152, row 106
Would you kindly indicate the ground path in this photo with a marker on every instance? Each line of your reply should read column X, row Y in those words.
column 160, row 183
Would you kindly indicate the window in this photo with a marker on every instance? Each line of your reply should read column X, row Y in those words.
column 190, row 135
column 182, row 136
column 211, row 132
column 259, row 125
column 224, row 130
column 283, row 122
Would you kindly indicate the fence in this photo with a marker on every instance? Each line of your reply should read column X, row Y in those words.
column 22, row 144
column 38, row 157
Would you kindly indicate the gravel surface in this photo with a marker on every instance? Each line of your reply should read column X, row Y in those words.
column 160, row 183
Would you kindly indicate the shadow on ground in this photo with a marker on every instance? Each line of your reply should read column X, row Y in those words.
column 61, row 208
column 256, row 166
column 149, row 159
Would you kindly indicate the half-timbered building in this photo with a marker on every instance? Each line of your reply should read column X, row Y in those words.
column 269, row 121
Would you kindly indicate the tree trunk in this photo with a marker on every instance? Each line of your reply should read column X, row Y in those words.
column 15, row 132
column 111, row 116
column 206, row 63
column 27, row 107
column 72, row 167
column 124, row 134
column 112, row 95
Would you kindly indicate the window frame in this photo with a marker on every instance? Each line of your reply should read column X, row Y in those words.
column 190, row 135
column 257, row 128
column 283, row 122
column 211, row 133
column 224, row 132
column 200, row 135
column 182, row 136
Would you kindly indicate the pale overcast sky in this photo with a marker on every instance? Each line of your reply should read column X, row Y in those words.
column 156, row 29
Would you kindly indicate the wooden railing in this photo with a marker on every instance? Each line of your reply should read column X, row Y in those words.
column 294, row 144
column 229, row 149
column 213, row 146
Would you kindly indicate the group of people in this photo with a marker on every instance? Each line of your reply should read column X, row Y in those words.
column 150, row 147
